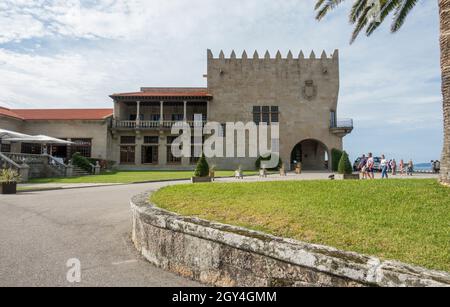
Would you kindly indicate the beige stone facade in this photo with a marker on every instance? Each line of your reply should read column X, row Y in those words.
column 299, row 94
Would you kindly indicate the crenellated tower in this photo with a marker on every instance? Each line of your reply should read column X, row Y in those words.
column 303, row 91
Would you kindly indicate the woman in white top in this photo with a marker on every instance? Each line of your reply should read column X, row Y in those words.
column 384, row 167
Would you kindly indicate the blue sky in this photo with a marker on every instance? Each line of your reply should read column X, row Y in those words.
column 56, row 54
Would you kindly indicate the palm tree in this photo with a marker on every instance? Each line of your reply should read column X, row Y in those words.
column 368, row 15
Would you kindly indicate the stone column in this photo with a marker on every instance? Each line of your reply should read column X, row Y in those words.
column 207, row 110
column 162, row 150
column 185, row 110
column 138, row 148
column 161, row 114
column 138, row 114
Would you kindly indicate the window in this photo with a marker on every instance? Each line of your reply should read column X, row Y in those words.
column 177, row 117
column 127, row 154
column 134, row 117
column 151, row 140
column 266, row 114
column 274, row 114
column 333, row 122
column 155, row 117
column 171, row 159
column 5, row 147
column 127, row 140
column 257, row 114
column 82, row 146
column 29, row 148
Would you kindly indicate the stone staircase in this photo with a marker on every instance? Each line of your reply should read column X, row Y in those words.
column 78, row 172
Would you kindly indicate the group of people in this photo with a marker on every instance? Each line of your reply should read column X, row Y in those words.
column 367, row 167
column 436, row 166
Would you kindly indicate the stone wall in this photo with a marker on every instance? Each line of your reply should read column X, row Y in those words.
column 223, row 255
column 305, row 90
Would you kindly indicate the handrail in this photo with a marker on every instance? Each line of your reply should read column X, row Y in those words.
column 151, row 124
column 342, row 123
column 11, row 162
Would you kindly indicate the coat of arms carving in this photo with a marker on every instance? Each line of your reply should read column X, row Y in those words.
column 309, row 90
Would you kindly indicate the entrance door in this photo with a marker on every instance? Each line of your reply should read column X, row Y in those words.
column 149, row 154
column 296, row 156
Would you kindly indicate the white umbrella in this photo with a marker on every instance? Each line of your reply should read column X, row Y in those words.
column 41, row 139
column 6, row 134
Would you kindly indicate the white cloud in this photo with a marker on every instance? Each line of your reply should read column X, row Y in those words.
column 76, row 53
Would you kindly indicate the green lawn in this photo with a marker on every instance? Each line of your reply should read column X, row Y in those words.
column 131, row 176
column 406, row 220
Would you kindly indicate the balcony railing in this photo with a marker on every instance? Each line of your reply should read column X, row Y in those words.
column 132, row 124
column 345, row 123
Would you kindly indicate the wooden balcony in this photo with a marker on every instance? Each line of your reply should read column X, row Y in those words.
column 149, row 125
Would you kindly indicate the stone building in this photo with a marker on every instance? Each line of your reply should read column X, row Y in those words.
column 299, row 94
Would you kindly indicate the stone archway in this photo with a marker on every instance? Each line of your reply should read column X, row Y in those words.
column 313, row 155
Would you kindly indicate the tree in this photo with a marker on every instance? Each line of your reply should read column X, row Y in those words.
column 202, row 169
column 345, row 167
column 368, row 15
column 336, row 155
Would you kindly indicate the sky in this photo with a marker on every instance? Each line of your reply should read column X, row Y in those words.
column 70, row 54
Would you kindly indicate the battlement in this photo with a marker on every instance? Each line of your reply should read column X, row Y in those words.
column 278, row 56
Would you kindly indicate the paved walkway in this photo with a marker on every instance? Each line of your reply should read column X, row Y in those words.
column 40, row 231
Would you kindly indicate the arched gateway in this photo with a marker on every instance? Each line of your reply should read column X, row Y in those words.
column 313, row 155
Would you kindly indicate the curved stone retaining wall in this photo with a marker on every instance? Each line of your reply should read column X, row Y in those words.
column 223, row 255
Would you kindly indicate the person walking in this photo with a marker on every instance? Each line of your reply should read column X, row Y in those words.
column 394, row 167
column 384, row 167
column 402, row 167
column 362, row 166
column 433, row 166
column 370, row 166
column 410, row 168
column 437, row 166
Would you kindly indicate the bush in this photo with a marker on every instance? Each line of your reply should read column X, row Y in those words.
column 9, row 176
column 345, row 167
column 336, row 156
column 81, row 162
column 202, row 169
column 260, row 159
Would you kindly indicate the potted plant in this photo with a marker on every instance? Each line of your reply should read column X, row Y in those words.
column 239, row 174
column 263, row 173
column 9, row 179
column 298, row 168
column 345, row 169
column 282, row 171
column 201, row 173
column 212, row 172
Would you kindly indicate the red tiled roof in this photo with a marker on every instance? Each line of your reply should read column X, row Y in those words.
column 167, row 92
column 9, row 113
column 57, row 114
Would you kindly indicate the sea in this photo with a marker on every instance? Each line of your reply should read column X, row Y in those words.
column 423, row 167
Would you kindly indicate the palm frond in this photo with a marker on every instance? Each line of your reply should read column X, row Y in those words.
column 401, row 13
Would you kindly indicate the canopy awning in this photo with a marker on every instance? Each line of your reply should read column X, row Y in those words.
column 39, row 139
column 8, row 134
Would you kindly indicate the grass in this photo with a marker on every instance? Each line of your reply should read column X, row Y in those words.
column 405, row 220
column 131, row 176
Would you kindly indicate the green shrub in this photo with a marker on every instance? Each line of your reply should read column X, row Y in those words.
column 9, row 176
column 81, row 162
column 202, row 169
column 345, row 167
column 260, row 159
column 336, row 156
